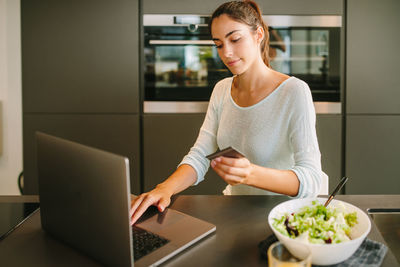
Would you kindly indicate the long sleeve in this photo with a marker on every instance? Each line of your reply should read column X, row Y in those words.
column 303, row 140
column 206, row 142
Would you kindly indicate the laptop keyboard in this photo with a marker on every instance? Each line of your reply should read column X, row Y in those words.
column 145, row 242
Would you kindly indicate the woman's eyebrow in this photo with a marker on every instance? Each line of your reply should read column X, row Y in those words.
column 227, row 35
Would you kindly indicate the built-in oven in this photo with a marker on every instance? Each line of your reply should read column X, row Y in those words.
column 182, row 64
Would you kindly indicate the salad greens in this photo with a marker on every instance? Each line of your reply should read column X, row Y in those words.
column 317, row 224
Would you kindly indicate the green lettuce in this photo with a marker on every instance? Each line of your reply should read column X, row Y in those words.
column 317, row 224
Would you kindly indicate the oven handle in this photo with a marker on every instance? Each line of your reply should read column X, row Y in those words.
column 210, row 42
column 272, row 20
column 181, row 42
column 201, row 107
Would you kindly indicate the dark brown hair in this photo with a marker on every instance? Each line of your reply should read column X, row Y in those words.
column 249, row 13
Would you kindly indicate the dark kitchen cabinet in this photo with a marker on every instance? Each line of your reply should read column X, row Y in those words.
column 329, row 132
column 372, row 154
column 270, row 7
column 372, row 57
column 167, row 138
column 80, row 77
column 372, row 97
column 114, row 133
column 80, row 56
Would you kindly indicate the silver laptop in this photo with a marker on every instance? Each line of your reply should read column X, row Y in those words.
column 85, row 199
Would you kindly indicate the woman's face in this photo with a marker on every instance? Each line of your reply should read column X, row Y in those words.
column 237, row 45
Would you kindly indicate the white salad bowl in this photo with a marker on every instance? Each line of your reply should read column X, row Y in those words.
column 322, row 254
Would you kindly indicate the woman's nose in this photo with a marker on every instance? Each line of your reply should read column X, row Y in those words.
column 227, row 51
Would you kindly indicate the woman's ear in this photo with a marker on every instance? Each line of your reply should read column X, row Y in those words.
column 260, row 34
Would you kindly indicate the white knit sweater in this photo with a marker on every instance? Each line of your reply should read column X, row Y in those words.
column 277, row 132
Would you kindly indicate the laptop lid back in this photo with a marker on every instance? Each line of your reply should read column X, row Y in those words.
column 80, row 198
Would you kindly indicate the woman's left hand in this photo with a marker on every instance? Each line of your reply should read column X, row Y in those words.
column 233, row 170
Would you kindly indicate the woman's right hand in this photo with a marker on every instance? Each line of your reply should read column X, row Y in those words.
column 159, row 196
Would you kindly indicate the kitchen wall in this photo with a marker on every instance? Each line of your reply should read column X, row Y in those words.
column 10, row 97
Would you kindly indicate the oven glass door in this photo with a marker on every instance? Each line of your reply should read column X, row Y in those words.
column 182, row 63
column 310, row 54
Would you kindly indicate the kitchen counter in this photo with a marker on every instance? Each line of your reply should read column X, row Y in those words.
column 241, row 224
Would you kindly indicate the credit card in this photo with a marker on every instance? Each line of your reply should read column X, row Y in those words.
column 228, row 152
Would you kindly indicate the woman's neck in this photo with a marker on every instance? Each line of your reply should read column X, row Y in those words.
column 255, row 84
column 254, row 78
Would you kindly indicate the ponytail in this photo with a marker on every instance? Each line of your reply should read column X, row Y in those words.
column 264, row 46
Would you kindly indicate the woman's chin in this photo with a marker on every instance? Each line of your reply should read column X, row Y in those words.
column 236, row 71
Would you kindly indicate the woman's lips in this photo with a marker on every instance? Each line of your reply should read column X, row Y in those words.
column 233, row 62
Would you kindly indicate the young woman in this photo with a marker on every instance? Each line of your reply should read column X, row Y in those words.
column 266, row 115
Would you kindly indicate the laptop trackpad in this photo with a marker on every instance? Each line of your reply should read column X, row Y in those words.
column 150, row 212
column 155, row 221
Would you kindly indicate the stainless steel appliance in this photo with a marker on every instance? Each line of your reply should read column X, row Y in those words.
column 182, row 63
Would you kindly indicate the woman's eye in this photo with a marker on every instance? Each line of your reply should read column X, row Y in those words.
column 218, row 46
column 235, row 40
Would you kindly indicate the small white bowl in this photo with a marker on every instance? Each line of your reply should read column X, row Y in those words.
column 322, row 254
